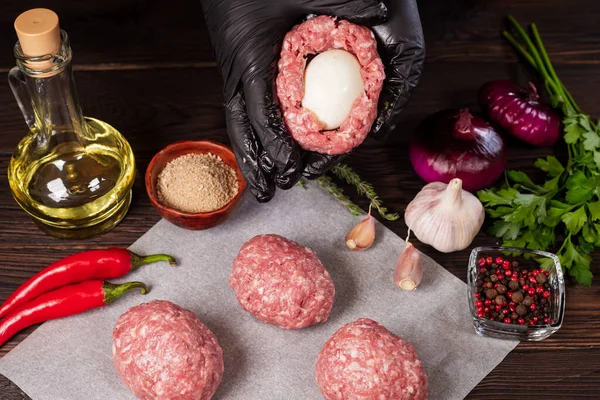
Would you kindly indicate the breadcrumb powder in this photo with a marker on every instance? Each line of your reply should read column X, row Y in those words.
column 197, row 183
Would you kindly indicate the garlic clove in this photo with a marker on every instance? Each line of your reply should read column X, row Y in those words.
column 444, row 216
column 409, row 268
column 362, row 236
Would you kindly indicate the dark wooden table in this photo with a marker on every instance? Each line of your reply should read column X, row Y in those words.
column 146, row 67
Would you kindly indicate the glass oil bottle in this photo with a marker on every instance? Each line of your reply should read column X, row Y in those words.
column 72, row 174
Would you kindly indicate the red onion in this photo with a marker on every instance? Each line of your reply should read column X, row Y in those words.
column 521, row 112
column 458, row 144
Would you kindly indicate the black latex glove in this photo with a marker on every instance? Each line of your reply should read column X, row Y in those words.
column 247, row 37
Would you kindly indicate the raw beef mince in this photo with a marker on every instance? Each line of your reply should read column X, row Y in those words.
column 282, row 283
column 163, row 351
column 365, row 361
column 314, row 36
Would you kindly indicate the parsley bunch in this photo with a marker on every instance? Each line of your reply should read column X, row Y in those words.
column 529, row 215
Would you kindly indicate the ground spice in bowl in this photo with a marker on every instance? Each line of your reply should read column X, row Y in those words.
column 196, row 183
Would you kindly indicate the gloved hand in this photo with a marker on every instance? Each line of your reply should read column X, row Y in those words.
column 247, row 37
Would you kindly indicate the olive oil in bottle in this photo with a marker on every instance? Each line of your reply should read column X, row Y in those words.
column 72, row 174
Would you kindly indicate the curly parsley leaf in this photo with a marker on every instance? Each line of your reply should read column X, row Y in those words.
column 597, row 159
column 586, row 160
column 554, row 216
column 582, row 273
column 520, row 242
column 589, row 233
column 530, row 209
column 550, row 165
column 575, row 220
column 592, row 141
column 597, row 228
column 578, row 178
column 552, row 184
column 584, row 121
column 580, row 188
column 523, row 179
column 594, row 209
column 571, row 256
column 546, row 263
column 541, row 212
column 585, row 247
column 542, row 238
column 573, row 130
column 500, row 212
column 492, row 199
column 505, row 230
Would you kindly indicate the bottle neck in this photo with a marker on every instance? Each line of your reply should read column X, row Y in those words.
column 50, row 91
column 55, row 103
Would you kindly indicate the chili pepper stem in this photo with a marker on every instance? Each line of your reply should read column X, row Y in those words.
column 137, row 260
column 113, row 292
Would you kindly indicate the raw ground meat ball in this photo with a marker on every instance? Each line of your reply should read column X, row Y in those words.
column 163, row 351
column 282, row 283
column 365, row 361
column 314, row 36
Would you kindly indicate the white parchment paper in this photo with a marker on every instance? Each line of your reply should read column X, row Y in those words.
column 70, row 359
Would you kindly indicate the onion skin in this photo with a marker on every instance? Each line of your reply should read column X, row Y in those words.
column 458, row 144
column 520, row 112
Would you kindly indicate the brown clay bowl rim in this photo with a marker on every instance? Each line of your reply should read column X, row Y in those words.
column 184, row 143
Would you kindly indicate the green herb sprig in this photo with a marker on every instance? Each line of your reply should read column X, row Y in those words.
column 338, row 193
column 363, row 188
column 531, row 216
column 347, row 174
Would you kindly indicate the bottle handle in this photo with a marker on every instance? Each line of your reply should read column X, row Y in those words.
column 17, row 85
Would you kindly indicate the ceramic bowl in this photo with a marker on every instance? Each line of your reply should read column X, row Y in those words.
column 186, row 220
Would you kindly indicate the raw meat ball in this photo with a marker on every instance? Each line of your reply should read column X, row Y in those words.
column 365, row 361
column 307, row 123
column 282, row 283
column 163, row 351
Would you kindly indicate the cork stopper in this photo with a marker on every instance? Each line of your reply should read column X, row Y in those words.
column 38, row 32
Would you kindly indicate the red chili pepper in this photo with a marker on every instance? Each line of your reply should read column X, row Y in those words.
column 93, row 264
column 62, row 302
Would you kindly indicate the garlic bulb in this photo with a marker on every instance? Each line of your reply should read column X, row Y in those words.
column 444, row 216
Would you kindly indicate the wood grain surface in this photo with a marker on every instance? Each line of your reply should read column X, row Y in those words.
column 147, row 68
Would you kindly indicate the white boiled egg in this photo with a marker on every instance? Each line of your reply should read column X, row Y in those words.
column 332, row 83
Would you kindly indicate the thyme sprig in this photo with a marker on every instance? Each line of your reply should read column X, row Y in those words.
column 337, row 192
column 363, row 188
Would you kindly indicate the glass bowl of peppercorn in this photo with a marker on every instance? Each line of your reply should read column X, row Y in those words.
column 515, row 293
